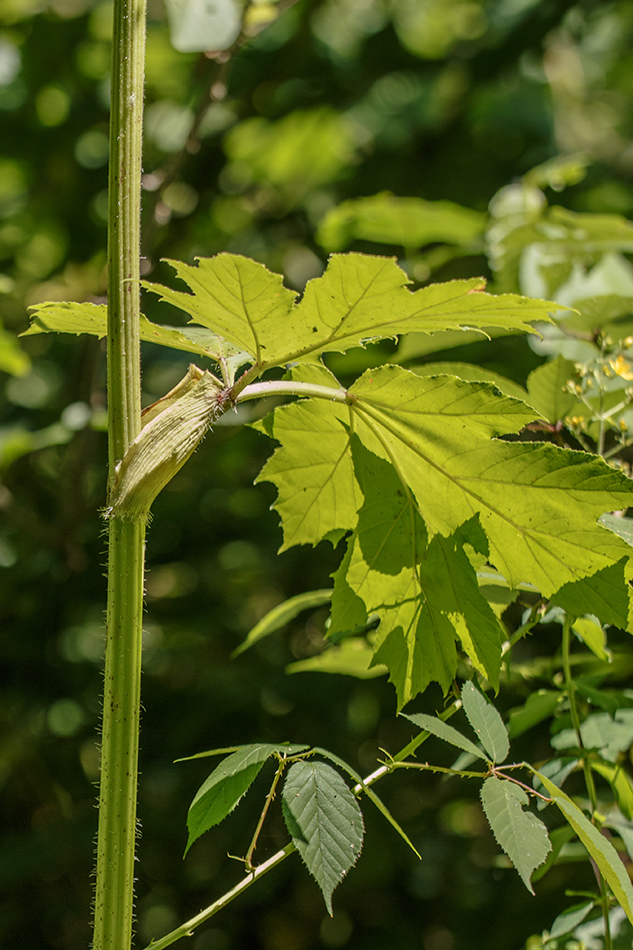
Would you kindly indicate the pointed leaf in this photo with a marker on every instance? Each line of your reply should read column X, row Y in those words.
column 570, row 919
column 426, row 597
column 226, row 785
column 521, row 834
column 623, row 527
column 325, row 822
column 442, row 730
column 620, row 783
column 282, row 614
column 591, row 632
column 407, row 222
column 473, row 374
column 65, row 317
column 237, row 298
column 486, row 722
column 604, row 594
column 351, row 657
column 538, row 706
column 600, row 848
column 368, row 790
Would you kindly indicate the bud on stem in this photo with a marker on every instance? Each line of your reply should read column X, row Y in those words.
column 173, row 427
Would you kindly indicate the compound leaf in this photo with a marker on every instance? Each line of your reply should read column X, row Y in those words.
column 325, row 822
column 521, row 834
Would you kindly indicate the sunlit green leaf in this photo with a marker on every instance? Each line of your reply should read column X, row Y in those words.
column 55, row 317
column 620, row 783
column 547, row 390
column 407, row 222
column 351, row 657
column 592, row 634
column 359, row 298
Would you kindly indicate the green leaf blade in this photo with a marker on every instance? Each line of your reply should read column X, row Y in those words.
column 282, row 614
column 442, row 730
column 521, row 835
column 600, row 848
column 325, row 822
column 486, row 722
column 226, row 785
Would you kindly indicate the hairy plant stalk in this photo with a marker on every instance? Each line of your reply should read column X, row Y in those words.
column 121, row 702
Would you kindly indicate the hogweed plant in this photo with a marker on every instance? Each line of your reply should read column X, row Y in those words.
column 448, row 508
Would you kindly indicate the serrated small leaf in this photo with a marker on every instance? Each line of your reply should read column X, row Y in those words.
column 325, row 822
column 442, row 730
column 600, row 848
column 226, row 785
column 369, row 792
column 521, row 834
column 282, row 614
column 486, row 722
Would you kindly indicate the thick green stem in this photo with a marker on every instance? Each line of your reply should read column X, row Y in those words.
column 114, row 889
column 119, row 751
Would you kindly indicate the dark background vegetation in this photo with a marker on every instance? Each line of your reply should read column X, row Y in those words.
column 439, row 99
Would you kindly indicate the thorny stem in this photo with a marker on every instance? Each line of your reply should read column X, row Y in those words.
column 114, row 888
column 248, row 860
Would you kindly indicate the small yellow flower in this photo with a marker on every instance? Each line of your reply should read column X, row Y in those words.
column 622, row 367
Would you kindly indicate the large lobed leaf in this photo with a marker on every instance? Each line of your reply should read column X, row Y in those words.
column 359, row 298
column 410, row 468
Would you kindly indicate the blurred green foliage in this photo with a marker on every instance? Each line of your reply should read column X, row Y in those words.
column 334, row 101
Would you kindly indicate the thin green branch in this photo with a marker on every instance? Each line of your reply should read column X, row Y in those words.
column 284, row 387
column 248, row 860
column 186, row 929
column 570, row 687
